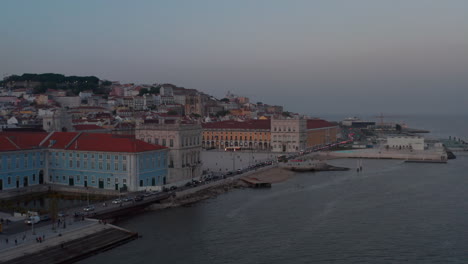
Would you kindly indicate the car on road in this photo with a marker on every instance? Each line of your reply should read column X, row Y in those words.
column 139, row 198
column 32, row 220
column 62, row 214
column 173, row 188
column 127, row 199
column 44, row 217
column 117, row 201
column 89, row 208
column 78, row 214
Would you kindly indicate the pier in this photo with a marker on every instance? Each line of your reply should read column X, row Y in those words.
column 256, row 183
column 432, row 155
column 67, row 247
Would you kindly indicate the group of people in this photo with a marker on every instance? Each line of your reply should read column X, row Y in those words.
column 39, row 239
column 7, row 221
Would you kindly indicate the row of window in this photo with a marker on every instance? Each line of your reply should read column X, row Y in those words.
column 150, row 162
column 77, row 178
column 230, row 138
column 25, row 164
column 90, row 165
column 186, row 141
column 288, row 129
column 19, row 177
column 230, row 132
column 86, row 155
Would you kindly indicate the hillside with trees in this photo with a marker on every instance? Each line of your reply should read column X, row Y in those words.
column 72, row 84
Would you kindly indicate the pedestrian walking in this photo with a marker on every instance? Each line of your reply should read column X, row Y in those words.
column 16, row 242
column 6, row 240
column 24, row 236
column 43, row 237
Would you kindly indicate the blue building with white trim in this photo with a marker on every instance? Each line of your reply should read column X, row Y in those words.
column 81, row 159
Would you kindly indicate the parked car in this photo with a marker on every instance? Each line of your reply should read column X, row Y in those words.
column 44, row 217
column 139, row 198
column 32, row 220
column 89, row 208
column 173, row 188
column 117, row 201
column 78, row 214
column 127, row 199
column 62, row 214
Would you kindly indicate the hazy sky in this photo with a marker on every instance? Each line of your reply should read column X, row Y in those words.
column 329, row 56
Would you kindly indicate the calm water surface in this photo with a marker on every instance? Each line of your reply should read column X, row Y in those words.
column 392, row 212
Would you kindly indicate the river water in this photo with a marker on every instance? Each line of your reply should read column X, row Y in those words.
column 391, row 212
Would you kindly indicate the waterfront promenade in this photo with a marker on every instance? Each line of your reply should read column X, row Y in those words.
column 382, row 153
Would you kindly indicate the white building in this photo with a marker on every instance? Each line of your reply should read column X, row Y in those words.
column 184, row 142
column 288, row 135
column 406, row 142
column 68, row 101
column 166, row 91
column 57, row 120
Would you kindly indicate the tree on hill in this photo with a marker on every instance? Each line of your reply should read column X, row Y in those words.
column 222, row 113
column 72, row 84
column 152, row 90
column 143, row 91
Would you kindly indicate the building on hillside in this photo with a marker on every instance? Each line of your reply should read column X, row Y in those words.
column 194, row 103
column 288, row 134
column 102, row 161
column 321, row 132
column 184, row 141
column 68, row 101
column 250, row 134
column 166, row 90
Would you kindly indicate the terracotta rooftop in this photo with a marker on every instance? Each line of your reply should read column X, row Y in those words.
column 25, row 140
column 87, row 127
column 74, row 141
column 318, row 123
column 111, row 143
column 249, row 124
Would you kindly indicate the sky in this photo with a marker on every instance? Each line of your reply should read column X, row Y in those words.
column 312, row 57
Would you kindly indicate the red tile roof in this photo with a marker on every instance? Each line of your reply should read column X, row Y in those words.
column 249, row 124
column 6, row 144
column 25, row 140
column 74, row 141
column 318, row 123
column 111, row 143
column 58, row 140
column 87, row 127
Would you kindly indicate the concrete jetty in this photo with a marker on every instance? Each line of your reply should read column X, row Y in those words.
column 67, row 247
column 432, row 155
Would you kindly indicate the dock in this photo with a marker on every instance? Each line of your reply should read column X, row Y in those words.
column 436, row 155
column 256, row 183
column 69, row 247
